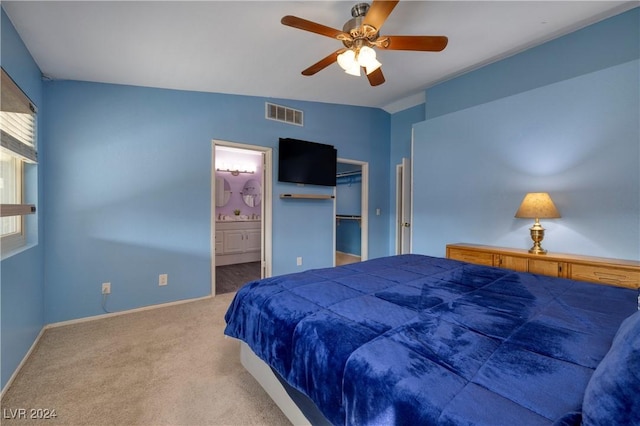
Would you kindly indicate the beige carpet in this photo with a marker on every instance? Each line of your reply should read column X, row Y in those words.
column 167, row 366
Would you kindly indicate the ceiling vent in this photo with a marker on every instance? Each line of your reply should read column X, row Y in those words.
column 284, row 114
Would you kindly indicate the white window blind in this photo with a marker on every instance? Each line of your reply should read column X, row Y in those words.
column 17, row 147
column 17, row 122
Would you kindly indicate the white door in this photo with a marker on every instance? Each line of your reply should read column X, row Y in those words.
column 404, row 207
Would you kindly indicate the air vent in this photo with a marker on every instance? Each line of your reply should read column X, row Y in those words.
column 284, row 114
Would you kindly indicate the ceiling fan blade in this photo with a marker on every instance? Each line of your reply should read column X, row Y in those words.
column 378, row 13
column 421, row 43
column 376, row 77
column 303, row 24
column 323, row 63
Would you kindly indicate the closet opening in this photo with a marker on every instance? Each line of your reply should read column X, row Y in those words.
column 351, row 219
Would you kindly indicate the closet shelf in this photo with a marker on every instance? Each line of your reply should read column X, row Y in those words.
column 308, row 196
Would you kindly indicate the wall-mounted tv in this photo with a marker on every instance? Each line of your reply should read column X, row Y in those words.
column 306, row 162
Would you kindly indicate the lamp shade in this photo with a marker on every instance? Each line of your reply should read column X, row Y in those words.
column 374, row 65
column 537, row 205
column 347, row 59
column 367, row 59
column 353, row 70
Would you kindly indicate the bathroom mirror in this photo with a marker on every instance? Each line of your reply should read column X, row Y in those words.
column 223, row 191
column 252, row 193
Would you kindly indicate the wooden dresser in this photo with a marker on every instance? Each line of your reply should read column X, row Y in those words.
column 622, row 273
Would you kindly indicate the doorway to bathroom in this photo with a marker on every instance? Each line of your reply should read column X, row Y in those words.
column 241, row 215
column 351, row 211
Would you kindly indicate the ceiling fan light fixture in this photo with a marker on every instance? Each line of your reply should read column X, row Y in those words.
column 373, row 66
column 347, row 59
column 365, row 55
column 354, row 70
column 367, row 59
column 359, row 36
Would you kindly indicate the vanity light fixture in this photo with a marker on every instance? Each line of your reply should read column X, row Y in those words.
column 536, row 205
column 235, row 168
column 235, row 172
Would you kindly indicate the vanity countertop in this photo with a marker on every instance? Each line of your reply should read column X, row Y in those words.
column 237, row 220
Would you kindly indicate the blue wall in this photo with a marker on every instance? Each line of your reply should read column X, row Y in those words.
column 131, row 174
column 576, row 137
column 22, row 276
column 610, row 42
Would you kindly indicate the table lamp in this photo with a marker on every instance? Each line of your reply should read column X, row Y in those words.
column 536, row 205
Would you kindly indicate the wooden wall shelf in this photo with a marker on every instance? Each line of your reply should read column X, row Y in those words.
column 307, row 196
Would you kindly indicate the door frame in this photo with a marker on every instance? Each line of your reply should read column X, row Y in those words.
column 266, row 254
column 404, row 186
column 398, row 221
column 364, row 210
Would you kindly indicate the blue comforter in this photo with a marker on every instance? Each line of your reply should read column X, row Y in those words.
column 414, row 339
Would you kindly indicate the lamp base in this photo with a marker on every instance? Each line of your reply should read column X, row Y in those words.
column 537, row 235
column 537, row 250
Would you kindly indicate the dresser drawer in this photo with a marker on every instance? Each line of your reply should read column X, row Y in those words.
column 605, row 275
column 520, row 264
column 479, row 258
column 546, row 267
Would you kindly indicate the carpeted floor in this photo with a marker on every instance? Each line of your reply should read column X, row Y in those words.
column 166, row 366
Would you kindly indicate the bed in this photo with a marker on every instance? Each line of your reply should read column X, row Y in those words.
column 413, row 339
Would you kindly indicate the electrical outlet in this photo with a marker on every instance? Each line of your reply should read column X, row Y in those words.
column 299, row 260
column 163, row 279
column 106, row 288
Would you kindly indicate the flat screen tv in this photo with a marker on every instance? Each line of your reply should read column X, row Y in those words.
column 306, row 162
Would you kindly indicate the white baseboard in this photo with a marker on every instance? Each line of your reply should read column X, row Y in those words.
column 129, row 311
column 24, row 360
column 87, row 319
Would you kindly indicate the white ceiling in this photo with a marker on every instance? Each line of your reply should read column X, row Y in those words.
column 240, row 47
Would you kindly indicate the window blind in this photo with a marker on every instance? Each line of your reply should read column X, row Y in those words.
column 17, row 121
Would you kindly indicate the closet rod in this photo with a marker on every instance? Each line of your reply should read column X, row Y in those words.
column 340, row 217
column 353, row 173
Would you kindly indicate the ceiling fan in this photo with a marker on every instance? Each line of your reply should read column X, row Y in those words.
column 360, row 35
